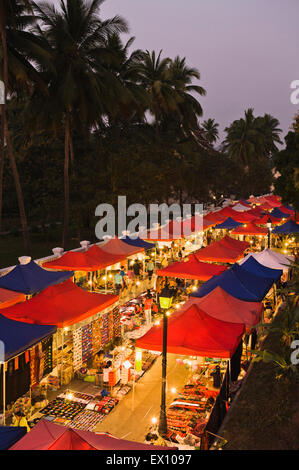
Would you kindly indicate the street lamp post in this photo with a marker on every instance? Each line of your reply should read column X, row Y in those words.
column 269, row 226
column 165, row 301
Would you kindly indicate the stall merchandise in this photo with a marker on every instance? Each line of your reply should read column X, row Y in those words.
column 188, row 413
column 31, row 278
column 61, row 408
column 86, row 343
column 78, row 410
column 77, row 349
column 87, row 420
column 96, row 335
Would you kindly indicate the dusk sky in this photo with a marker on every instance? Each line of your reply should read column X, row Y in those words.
column 246, row 50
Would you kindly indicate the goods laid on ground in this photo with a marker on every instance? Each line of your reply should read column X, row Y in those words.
column 78, row 410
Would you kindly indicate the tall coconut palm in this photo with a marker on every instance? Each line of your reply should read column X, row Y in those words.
column 252, row 138
column 16, row 44
column 75, row 36
column 210, row 129
column 188, row 107
column 158, row 83
column 241, row 139
column 130, row 100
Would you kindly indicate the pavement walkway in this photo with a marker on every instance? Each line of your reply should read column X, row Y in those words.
column 132, row 417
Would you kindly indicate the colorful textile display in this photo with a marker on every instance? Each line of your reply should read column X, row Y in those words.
column 86, row 342
column 86, row 420
column 96, row 335
column 105, row 330
column 77, row 349
column 47, row 347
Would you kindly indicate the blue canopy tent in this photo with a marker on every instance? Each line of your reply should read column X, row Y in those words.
column 289, row 207
column 9, row 435
column 280, row 215
column 15, row 339
column 138, row 242
column 31, row 278
column 239, row 283
column 288, row 227
column 254, row 267
column 229, row 223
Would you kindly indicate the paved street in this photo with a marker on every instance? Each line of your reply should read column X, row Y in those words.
column 131, row 418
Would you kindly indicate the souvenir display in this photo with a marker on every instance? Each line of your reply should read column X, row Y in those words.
column 63, row 408
column 96, row 335
column 86, row 343
column 77, row 348
column 86, row 420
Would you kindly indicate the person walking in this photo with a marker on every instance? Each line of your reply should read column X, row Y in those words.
column 150, row 269
column 118, row 282
column 148, row 310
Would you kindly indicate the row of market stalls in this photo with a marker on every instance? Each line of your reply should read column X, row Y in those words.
column 52, row 327
column 222, row 314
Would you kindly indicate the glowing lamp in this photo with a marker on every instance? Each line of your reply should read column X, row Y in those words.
column 165, row 298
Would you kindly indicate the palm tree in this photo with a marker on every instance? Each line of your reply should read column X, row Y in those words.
column 158, row 83
column 130, row 101
column 77, row 78
column 17, row 46
column 241, row 139
column 188, row 108
column 210, row 129
column 252, row 138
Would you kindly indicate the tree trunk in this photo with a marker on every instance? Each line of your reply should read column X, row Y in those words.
column 2, row 143
column 11, row 155
column 66, row 180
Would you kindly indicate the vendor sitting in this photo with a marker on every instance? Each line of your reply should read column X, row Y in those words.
column 98, row 361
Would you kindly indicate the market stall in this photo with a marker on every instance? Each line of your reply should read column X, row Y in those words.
column 86, row 322
column 220, row 252
column 17, row 340
column 50, row 436
column 239, row 283
column 31, row 278
column 9, row 297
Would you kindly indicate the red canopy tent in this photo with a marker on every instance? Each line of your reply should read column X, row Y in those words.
column 50, row 436
column 161, row 234
column 243, row 217
column 263, row 220
column 117, row 247
column 227, row 212
column 209, row 220
column 285, row 210
column 256, row 211
column 221, row 305
column 193, row 332
column 273, row 198
column 220, row 252
column 234, row 244
column 93, row 259
column 191, row 269
column 9, row 297
column 62, row 305
column 250, row 229
column 266, row 206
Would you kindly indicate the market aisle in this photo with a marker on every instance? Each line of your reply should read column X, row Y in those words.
column 124, row 422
